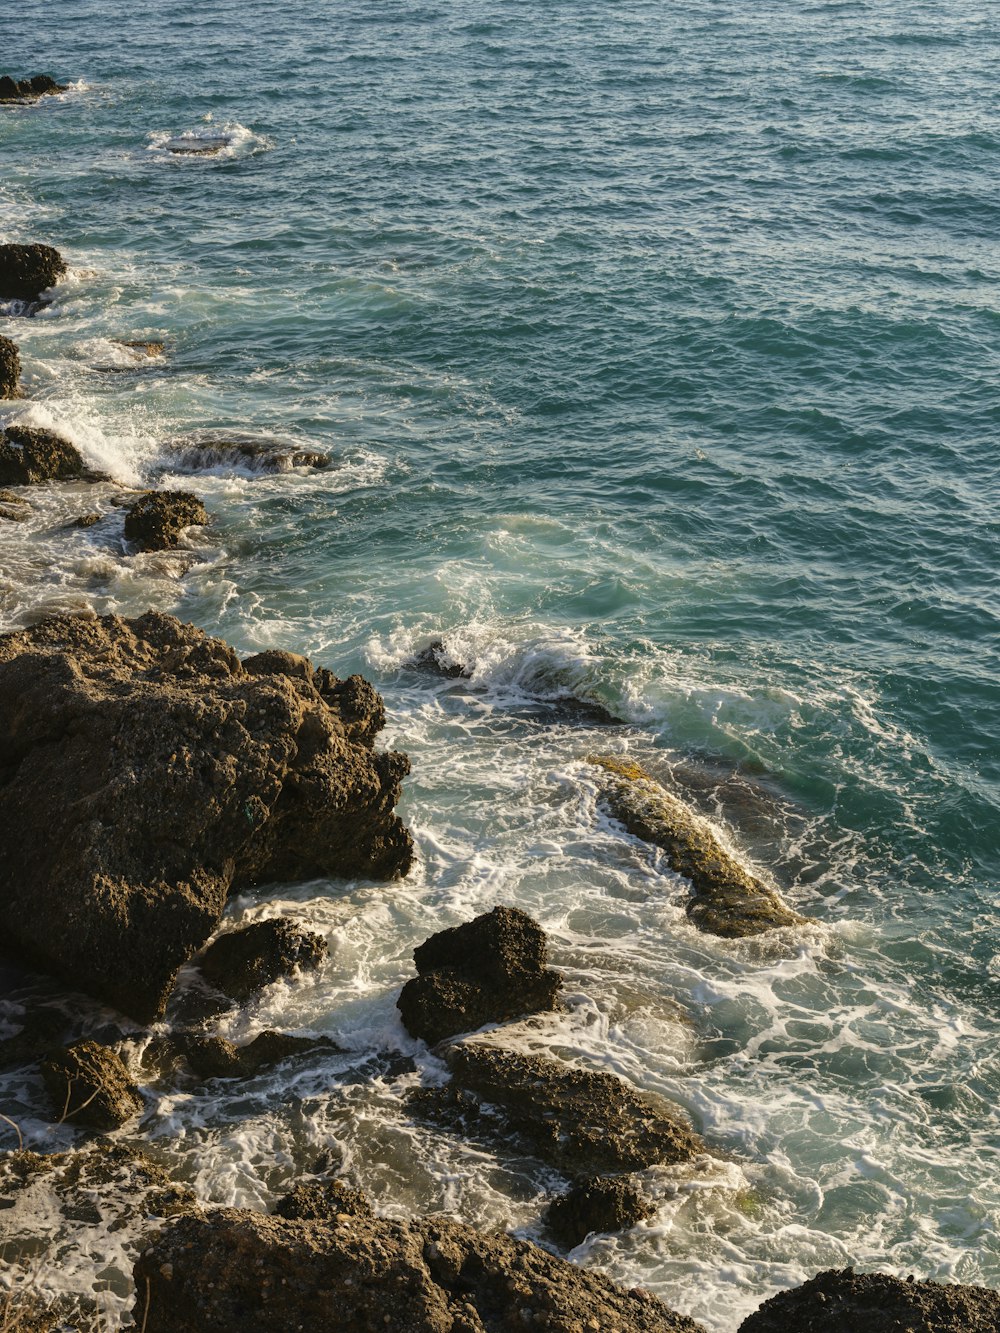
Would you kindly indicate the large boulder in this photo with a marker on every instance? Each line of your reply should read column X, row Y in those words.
column 485, row 971
column 243, row 1272
column 28, row 270
column 244, row 961
column 156, row 520
column 89, row 1084
column 602, row 1203
column 144, row 772
column 727, row 899
column 10, row 369
column 584, row 1122
column 29, row 455
column 842, row 1301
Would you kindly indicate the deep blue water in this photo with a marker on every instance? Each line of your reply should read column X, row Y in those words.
column 658, row 351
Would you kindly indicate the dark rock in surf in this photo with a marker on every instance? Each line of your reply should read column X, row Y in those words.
column 241, row 1272
column 157, row 519
column 486, row 971
column 602, row 1204
column 90, row 1085
column 203, row 454
column 10, row 369
column 29, row 455
column 143, row 350
column 323, row 1201
column 85, row 521
column 583, row 1122
column 214, row 1057
column 14, row 508
column 26, row 271
column 28, row 90
column 437, row 659
column 727, row 899
column 41, row 1030
column 842, row 1301
column 244, row 961
column 144, row 772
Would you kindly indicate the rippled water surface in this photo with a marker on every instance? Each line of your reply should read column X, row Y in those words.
column 657, row 349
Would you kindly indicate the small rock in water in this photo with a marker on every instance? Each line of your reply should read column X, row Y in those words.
column 603, row 1203
column 85, row 521
column 29, row 455
column 214, row 1057
column 13, row 508
column 10, row 369
column 28, row 270
column 209, row 452
column 156, row 520
column 244, row 961
column 28, row 90
column 89, row 1084
column 436, row 657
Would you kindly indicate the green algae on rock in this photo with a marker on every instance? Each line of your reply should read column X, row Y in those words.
column 728, row 900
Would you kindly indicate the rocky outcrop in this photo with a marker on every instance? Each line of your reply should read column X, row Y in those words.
column 727, row 899
column 323, row 1200
column 26, row 271
column 144, row 772
column 486, row 971
column 10, row 369
column 242, row 1272
column 29, row 455
column 847, row 1302
column 157, row 519
column 89, row 1085
column 583, row 1122
column 28, row 90
column 244, row 961
column 203, row 454
column 603, row 1203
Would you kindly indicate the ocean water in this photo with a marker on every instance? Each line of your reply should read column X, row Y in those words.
column 657, row 351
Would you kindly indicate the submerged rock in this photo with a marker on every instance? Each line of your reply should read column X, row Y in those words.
column 29, row 455
column 85, row 521
column 215, row 1057
column 437, row 658
column 603, row 1203
column 156, row 520
column 486, row 971
column 241, row 1272
column 323, row 1200
column 727, row 900
column 10, row 369
column 13, row 507
column 28, row 90
column 144, row 772
column 26, row 271
column 583, row 1122
column 204, row 454
column 849, row 1302
column 244, row 961
column 144, row 350
column 41, row 1030
column 89, row 1084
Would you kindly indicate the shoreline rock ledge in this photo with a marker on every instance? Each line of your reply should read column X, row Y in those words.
column 145, row 772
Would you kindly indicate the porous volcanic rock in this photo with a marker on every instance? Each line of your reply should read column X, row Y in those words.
column 727, row 899
column 89, row 1084
column 842, row 1301
column 242, row 1272
column 603, row 1203
column 485, row 971
column 10, row 369
column 28, row 90
column 244, row 961
column 156, row 520
column 203, row 454
column 583, row 1122
column 323, row 1200
column 28, row 270
column 29, row 455
column 144, row 772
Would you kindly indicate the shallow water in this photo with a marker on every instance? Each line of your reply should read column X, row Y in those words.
column 656, row 351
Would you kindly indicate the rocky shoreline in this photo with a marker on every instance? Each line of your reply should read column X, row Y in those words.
column 147, row 774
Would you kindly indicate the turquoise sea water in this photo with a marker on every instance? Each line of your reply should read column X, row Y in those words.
column 657, row 347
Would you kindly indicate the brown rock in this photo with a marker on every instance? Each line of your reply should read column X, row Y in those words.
column 324, row 1200
column 156, row 520
column 10, row 369
column 89, row 1084
column 603, row 1203
column 244, row 961
column 205, row 453
column 144, row 772
column 29, row 455
column 28, row 270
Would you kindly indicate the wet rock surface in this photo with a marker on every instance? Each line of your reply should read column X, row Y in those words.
column 485, row 971
column 842, row 1301
column 41, row 1030
column 238, row 1270
column 727, row 899
column 26, row 271
column 583, row 1122
column 242, row 452
column 244, row 961
column 603, row 1203
column 10, row 369
column 29, row 455
column 28, row 90
column 437, row 660
column 157, row 519
column 144, row 772
column 13, row 507
column 323, row 1200
column 88, row 1084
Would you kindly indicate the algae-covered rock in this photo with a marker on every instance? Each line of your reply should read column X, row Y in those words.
column 242, row 1272
column 156, row 520
column 603, row 1203
column 29, row 455
column 244, row 961
column 28, row 270
column 10, row 369
column 323, row 1200
column 144, row 772
column 728, row 900
column 89, row 1085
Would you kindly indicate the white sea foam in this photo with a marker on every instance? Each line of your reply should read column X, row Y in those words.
column 227, row 141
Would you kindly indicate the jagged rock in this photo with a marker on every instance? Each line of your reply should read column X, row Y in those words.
column 485, row 971
column 727, row 899
column 204, row 453
column 28, row 90
column 323, row 1200
column 583, row 1122
column 156, row 520
column 215, row 1057
column 604, row 1203
column 242, row 1272
column 29, row 455
column 244, row 961
column 437, row 659
column 28, row 270
column 85, row 521
column 849, row 1302
column 89, row 1084
column 144, row 772
column 10, row 369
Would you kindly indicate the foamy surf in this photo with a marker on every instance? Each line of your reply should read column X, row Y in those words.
column 225, row 142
